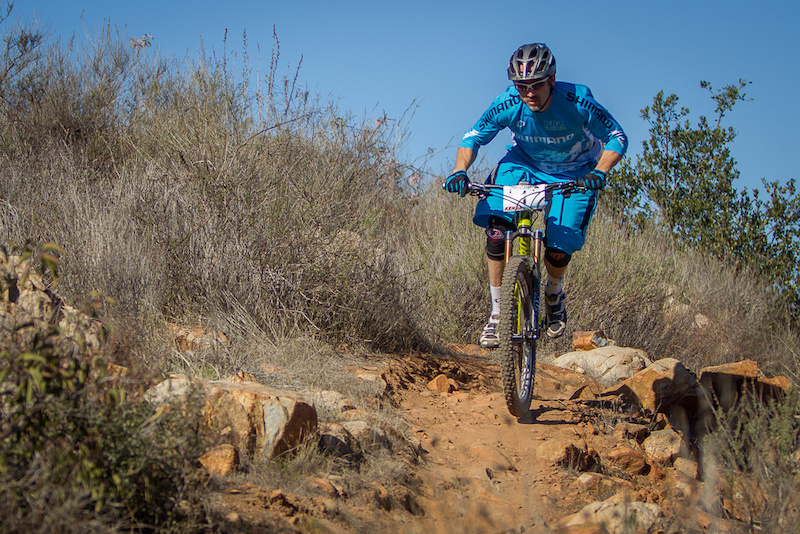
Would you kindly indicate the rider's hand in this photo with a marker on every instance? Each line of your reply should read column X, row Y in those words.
column 457, row 183
column 595, row 180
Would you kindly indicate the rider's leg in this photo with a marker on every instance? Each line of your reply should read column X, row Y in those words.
column 555, row 274
column 555, row 262
column 567, row 218
column 495, row 253
column 496, row 268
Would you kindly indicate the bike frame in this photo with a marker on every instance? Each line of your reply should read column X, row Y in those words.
column 522, row 283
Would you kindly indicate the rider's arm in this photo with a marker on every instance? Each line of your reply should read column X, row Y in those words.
column 608, row 159
column 493, row 120
column 603, row 126
column 464, row 158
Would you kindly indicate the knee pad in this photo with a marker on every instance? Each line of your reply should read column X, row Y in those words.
column 495, row 244
column 495, row 238
column 557, row 258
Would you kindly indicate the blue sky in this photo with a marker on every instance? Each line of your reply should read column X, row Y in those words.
column 448, row 58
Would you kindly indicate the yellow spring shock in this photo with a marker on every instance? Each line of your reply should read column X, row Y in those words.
column 524, row 242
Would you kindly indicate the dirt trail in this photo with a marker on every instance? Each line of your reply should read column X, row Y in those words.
column 483, row 470
column 480, row 469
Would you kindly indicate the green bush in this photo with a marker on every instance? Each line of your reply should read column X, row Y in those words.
column 75, row 452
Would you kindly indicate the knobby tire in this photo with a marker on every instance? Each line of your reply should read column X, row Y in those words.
column 517, row 348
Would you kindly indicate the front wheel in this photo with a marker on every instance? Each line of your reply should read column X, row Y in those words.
column 517, row 332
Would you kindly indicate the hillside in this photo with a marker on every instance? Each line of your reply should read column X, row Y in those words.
column 427, row 445
column 230, row 306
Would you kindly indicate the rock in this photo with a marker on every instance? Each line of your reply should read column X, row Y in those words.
column 626, row 459
column 241, row 377
column 369, row 437
column 618, row 517
column 663, row 446
column 552, row 382
column 336, row 440
column 221, row 460
column 687, row 467
column 382, row 496
column 608, row 365
column 376, row 378
column 328, row 486
column 374, row 434
column 442, row 384
column 631, row 431
column 598, row 483
column 330, row 401
column 569, row 454
column 725, row 382
column 195, row 338
column 662, row 383
column 590, row 340
column 255, row 419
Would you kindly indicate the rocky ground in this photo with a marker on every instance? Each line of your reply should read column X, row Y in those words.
column 579, row 465
column 608, row 447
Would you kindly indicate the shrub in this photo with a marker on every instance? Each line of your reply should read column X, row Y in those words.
column 752, row 459
column 75, row 453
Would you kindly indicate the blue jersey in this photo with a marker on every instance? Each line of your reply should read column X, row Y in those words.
column 564, row 138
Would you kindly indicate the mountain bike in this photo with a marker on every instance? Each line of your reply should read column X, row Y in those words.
column 521, row 316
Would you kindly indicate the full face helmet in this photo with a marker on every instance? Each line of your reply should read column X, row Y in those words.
column 531, row 63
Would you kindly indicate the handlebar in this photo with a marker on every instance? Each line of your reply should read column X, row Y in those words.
column 482, row 191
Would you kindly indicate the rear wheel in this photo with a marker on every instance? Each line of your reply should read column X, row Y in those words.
column 517, row 332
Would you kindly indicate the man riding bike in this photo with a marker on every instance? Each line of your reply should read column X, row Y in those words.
column 560, row 133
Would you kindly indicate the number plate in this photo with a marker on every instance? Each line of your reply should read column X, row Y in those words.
column 523, row 197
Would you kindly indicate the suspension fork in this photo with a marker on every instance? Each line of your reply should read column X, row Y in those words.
column 529, row 242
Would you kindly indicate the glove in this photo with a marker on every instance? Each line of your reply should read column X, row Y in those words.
column 594, row 181
column 458, row 182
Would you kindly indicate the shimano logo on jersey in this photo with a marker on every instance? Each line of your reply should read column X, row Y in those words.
column 502, row 106
column 584, row 103
column 545, row 140
column 555, row 125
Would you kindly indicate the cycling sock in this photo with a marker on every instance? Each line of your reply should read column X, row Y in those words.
column 495, row 292
column 553, row 286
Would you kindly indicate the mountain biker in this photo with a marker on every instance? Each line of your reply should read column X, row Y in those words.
column 560, row 132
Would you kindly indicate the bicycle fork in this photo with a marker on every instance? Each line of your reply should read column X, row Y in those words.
column 531, row 243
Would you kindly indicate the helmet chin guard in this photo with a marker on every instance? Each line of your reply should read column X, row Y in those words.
column 531, row 63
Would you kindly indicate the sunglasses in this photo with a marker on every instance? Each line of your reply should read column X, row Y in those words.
column 523, row 87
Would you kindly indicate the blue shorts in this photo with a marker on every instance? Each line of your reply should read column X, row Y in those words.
column 566, row 217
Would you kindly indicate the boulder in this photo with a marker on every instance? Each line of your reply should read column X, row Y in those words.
column 626, row 459
column 664, row 446
column 598, row 483
column 373, row 433
column 221, row 460
column 590, row 340
column 570, row 454
column 631, row 431
column 552, row 382
column 368, row 436
column 255, row 419
column 725, row 383
column 195, row 338
column 442, row 384
column 609, row 365
column 336, row 440
column 618, row 517
column 660, row 384
column 330, row 401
